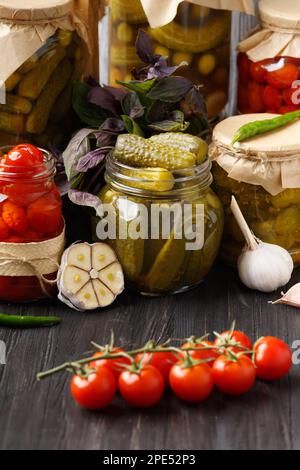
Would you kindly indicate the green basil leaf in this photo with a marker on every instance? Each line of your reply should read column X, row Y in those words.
column 169, row 126
column 132, row 126
column 87, row 112
column 137, row 86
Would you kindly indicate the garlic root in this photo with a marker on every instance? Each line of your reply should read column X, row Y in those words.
column 261, row 266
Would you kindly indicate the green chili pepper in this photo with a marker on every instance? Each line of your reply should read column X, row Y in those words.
column 262, row 127
column 19, row 321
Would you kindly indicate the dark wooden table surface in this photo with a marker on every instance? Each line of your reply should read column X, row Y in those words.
column 42, row 415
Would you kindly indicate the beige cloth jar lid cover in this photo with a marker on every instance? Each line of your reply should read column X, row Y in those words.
column 279, row 34
column 271, row 160
column 162, row 12
column 34, row 10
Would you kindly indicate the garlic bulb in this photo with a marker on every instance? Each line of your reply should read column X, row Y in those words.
column 90, row 276
column 262, row 266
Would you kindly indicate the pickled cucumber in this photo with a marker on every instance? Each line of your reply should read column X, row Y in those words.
column 286, row 198
column 131, row 256
column 166, row 268
column 16, row 104
column 288, row 221
column 128, row 10
column 186, row 142
column 124, row 56
column 155, row 179
column 211, row 34
column 136, row 151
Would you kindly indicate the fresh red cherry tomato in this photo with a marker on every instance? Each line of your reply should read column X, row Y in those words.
column 284, row 76
column 192, row 384
column 237, row 337
column 234, row 377
column 96, row 391
column 201, row 353
column 255, row 97
column 115, row 365
column 273, row 358
column 272, row 98
column 163, row 361
column 258, row 72
column 143, row 388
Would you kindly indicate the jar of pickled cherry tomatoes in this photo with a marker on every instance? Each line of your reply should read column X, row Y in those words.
column 31, row 224
column 269, row 61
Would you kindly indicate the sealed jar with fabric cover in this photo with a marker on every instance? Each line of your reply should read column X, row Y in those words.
column 193, row 32
column 263, row 175
column 43, row 49
column 31, row 224
column 160, row 259
column 269, row 61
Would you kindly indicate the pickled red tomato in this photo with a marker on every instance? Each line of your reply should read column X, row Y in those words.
column 15, row 217
column 272, row 98
column 255, row 96
column 244, row 68
column 25, row 193
column 44, row 214
column 284, row 76
column 4, row 230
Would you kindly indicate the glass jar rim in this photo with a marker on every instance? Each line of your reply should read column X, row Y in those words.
column 192, row 179
column 46, row 169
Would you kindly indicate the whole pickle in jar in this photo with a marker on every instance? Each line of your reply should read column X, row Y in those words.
column 194, row 39
column 16, row 104
column 186, row 142
column 288, row 221
column 136, row 151
column 151, row 179
column 12, row 123
column 38, row 118
column 124, row 56
column 29, row 65
column 286, row 198
column 34, row 82
column 130, row 11
column 13, row 81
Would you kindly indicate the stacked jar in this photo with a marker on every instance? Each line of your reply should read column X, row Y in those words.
column 43, row 51
column 198, row 35
column 269, row 61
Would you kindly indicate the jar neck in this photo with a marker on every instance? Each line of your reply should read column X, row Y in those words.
column 140, row 181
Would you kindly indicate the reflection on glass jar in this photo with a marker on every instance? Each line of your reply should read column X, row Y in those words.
column 30, row 214
column 161, row 259
column 198, row 36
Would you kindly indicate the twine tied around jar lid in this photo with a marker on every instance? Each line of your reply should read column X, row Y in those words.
column 37, row 259
column 270, row 160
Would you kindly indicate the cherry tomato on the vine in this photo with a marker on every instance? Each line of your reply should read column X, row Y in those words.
column 273, row 358
column 143, row 388
column 95, row 391
column 201, row 353
column 115, row 365
column 236, row 337
column 234, row 377
column 162, row 361
column 192, row 384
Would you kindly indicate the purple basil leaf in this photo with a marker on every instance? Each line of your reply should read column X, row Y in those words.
column 105, row 139
column 113, row 126
column 103, row 98
column 161, row 69
column 170, row 89
column 86, row 199
column 194, row 104
column 78, row 146
column 144, row 48
column 118, row 93
column 91, row 159
column 132, row 106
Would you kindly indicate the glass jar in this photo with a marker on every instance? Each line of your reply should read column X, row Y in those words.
column 263, row 175
column 43, row 55
column 198, row 35
column 269, row 63
column 160, row 260
column 31, row 215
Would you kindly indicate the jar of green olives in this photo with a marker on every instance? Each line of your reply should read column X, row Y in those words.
column 263, row 174
column 167, row 222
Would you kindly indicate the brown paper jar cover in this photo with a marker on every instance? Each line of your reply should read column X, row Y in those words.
column 271, row 160
column 279, row 34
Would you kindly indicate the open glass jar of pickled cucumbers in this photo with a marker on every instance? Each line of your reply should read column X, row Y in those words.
column 263, row 175
column 43, row 51
column 198, row 35
column 169, row 222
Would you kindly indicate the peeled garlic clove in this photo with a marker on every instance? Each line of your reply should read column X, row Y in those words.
column 90, row 276
column 265, row 268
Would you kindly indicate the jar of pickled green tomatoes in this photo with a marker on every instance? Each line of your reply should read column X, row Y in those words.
column 169, row 225
column 263, row 174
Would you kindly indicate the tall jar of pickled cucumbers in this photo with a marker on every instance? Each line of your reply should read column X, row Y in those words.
column 263, row 175
column 198, row 36
column 269, row 60
column 160, row 214
column 43, row 50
